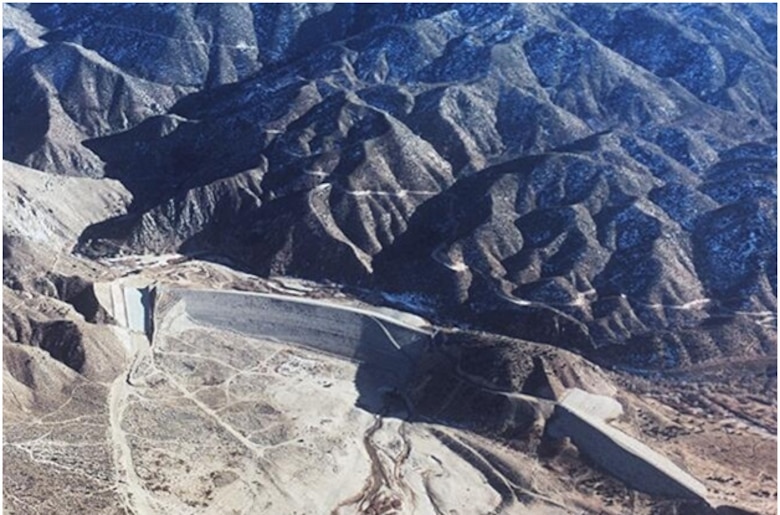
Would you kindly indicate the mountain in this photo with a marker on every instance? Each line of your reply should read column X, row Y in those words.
column 544, row 172
column 599, row 180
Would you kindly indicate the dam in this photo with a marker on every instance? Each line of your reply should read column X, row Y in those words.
column 387, row 346
column 382, row 339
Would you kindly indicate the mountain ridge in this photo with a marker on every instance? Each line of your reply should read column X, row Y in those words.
column 546, row 161
column 424, row 258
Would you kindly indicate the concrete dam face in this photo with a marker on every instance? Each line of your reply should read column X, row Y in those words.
column 371, row 338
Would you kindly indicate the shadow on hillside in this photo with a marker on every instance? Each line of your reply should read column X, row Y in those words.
column 388, row 358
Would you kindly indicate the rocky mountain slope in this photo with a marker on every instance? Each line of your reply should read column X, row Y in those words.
column 572, row 196
column 597, row 177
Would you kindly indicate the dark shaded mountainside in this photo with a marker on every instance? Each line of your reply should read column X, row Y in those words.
column 600, row 177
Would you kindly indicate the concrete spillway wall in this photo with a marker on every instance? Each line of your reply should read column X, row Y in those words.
column 582, row 418
column 135, row 311
column 130, row 305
